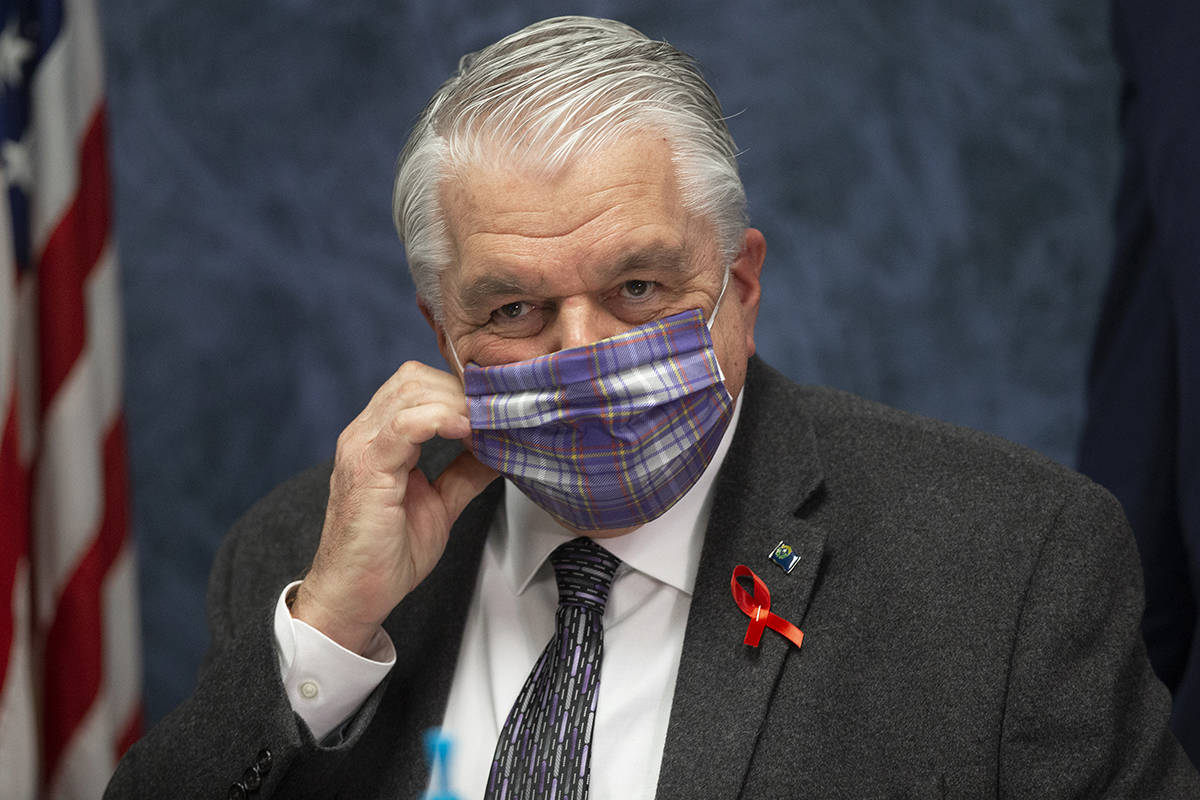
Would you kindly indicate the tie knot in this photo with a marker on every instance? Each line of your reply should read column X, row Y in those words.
column 584, row 571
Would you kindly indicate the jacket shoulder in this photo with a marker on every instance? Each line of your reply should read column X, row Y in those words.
column 898, row 466
column 858, row 434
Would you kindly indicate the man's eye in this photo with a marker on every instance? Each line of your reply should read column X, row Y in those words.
column 637, row 288
column 511, row 311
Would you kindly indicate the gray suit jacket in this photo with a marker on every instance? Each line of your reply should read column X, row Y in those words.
column 970, row 613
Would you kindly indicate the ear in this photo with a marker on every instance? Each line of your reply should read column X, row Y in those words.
column 427, row 313
column 744, row 279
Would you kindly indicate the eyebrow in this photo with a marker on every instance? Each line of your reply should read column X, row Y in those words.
column 661, row 258
column 483, row 289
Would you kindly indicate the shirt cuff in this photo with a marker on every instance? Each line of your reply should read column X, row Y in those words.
column 325, row 682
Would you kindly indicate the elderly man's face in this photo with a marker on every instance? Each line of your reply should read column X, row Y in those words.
column 543, row 264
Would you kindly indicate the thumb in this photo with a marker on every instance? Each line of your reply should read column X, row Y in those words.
column 460, row 482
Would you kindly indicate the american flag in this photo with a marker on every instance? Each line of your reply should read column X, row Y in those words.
column 70, row 665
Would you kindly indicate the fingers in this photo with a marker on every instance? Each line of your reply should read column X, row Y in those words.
column 415, row 384
column 416, row 404
column 397, row 445
column 433, row 507
column 460, row 482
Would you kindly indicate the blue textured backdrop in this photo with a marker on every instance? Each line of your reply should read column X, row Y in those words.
column 933, row 179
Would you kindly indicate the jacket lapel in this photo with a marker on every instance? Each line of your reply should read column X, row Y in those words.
column 725, row 687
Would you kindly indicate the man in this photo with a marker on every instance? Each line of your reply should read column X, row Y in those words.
column 575, row 226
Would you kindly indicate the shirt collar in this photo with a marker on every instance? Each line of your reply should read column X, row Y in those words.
column 666, row 549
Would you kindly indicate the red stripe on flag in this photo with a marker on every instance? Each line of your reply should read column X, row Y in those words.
column 131, row 733
column 74, row 660
column 14, row 527
column 69, row 257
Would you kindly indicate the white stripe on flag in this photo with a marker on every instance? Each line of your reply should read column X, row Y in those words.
column 67, row 89
column 122, row 643
column 105, row 335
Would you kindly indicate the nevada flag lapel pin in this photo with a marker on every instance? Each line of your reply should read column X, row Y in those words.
column 785, row 557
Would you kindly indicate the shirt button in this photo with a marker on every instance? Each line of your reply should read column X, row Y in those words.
column 309, row 690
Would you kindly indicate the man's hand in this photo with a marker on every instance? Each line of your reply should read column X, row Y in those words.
column 386, row 525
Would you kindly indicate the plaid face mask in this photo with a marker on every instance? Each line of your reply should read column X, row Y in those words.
column 609, row 435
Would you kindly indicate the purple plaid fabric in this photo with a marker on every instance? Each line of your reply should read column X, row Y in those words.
column 609, row 435
column 544, row 749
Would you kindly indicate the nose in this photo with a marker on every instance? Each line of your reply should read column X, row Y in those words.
column 581, row 321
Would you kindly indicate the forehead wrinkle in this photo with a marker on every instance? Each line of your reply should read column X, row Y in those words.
column 532, row 225
column 471, row 196
column 546, row 221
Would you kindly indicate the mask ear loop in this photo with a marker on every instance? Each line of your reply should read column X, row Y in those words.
column 720, row 296
column 457, row 361
column 713, row 317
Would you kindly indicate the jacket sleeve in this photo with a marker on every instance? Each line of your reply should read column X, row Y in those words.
column 1085, row 715
column 237, row 729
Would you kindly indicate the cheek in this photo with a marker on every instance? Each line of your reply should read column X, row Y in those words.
column 730, row 345
column 492, row 350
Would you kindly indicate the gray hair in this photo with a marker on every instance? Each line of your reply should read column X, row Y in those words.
column 553, row 92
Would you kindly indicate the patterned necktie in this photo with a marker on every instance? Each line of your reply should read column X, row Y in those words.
column 545, row 746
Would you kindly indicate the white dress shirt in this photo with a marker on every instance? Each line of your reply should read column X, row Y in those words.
column 509, row 622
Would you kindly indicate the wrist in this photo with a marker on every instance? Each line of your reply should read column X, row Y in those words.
column 304, row 606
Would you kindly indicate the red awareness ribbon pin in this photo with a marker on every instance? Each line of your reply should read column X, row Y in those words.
column 757, row 607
